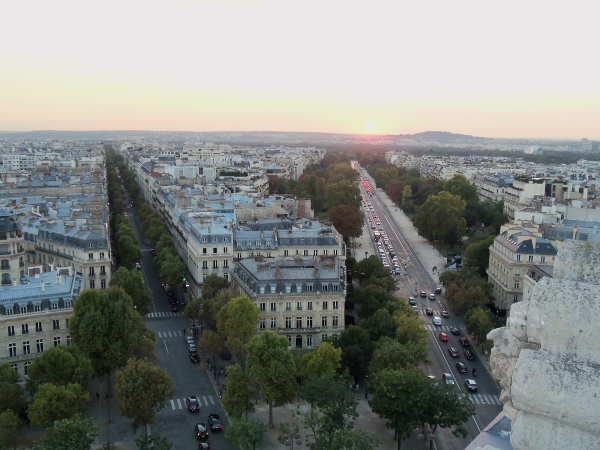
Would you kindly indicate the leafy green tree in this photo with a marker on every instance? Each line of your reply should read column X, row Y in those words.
column 313, row 187
column 324, row 360
column 373, row 298
column 165, row 243
column 343, row 193
column 492, row 216
column 237, row 321
column 131, row 281
column 391, row 354
column 479, row 323
column 75, row 433
column 411, row 331
column 380, row 324
column 145, row 340
column 172, row 270
column 212, row 344
column 213, row 284
column 124, row 229
column 459, row 185
column 237, row 399
column 270, row 363
column 441, row 218
column 51, row 403
column 407, row 199
column 342, row 171
column 10, row 430
column 357, row 350
column 446, row 407
column 477, row 255
column 153, row 443
column 395, row 191
column 212, row 306
column 371, row 271
column 246, row 434
column 11, row 392
column 465, row 290
column 103, row 326
column 385, row 176
column 142, row 390
column 128, row 251
column 348, row 220
column 60, row 366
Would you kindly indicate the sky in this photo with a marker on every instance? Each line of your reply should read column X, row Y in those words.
column 513, row 69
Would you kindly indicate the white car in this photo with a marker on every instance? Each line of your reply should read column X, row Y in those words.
column 437, row 321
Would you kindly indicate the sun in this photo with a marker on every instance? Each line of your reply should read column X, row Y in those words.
column 370, row 126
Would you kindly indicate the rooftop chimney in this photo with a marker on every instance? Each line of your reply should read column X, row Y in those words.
column 43, row 286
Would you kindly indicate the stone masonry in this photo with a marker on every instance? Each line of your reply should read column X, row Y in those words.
column 547, row 358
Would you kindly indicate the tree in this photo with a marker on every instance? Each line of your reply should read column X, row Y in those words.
column 213, row 284
column 395, row 191
column 212, row 306
column 357, row 350
column 145, row 340
column 465, row 290
column 441, row 218
column 459, row 185
column 342, row 171
column 193, row 309
column 348, row 220
column 373, row 298
column 371, row 271
column 172, row 270
column 11, row 392
column 103, row 326
column 51, row 403
column 142, row 389
column 75, row 433
column 60, row 366
column 385, row 176
column 324, row 360
column 477, row 255
column 398, row 396
column 272, row 365
column 128, row 251
column 153, row 443
column 132, row 283
column 237, row 321
column 478, row 322
column 410, row 329
column 246, row 434
column 10, row 429
column 343, row 193
column 391, row 354
column 446, row 407
column 407, row 199
column 212, row 344
column 237, row 398
column 380, row 324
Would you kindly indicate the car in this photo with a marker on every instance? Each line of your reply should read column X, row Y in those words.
column 215, row 422
column 431, row 296
column 464, row 342
column 423, row 294
column 174, row 308
column 429, row 311
column 453, row 352
column 192, row 348
column 190, row 340
column 412, row 301
column 443, row 337
column 138, row 266
column 201, row 431
column 438, row 290
column 433, row 379
column 455, row 330
column 203, row 446
column 445, row 314
column 469, row 355
column 448, row 378
column 194, row 357
column 462, row 368
column 437, row 321
column 193, row 404
column 471, row 385
column 416, row 309
column 153, row 252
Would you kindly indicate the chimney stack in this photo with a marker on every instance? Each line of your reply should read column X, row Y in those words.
column 43, row 286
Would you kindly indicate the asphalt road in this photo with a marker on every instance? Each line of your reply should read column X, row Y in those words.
column 417, row 279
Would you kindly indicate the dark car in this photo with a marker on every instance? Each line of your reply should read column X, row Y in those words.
column 469, row 355
column 438, row 290
column 455, row 330
column 194, row 357
column 201, row 431
column 453, row 352
column 445, row 314
column 464, row 342
column 429, row 311
column 174, row 307
column 153, row 252
column 471, row 385
column 193, row 404
column 462, row 368
column 215, row 422
column 423, row 294
column 412, row 301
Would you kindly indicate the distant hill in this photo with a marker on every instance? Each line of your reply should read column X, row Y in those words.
column 445, row 136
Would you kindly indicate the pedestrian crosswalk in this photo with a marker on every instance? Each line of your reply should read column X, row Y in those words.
column 169, row 334
column 485, row 399
column 154, row 315
column 436, row 312
column 441, row 328
column 179, row 403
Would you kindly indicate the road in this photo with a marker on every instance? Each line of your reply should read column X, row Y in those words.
column 190, row 379
column 419, row 278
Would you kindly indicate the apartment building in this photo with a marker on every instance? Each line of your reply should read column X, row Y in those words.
column 533, row 275
column 514, row 251
column 521, row 193
column 491, row 187
column 301, row 298
column 12, row 250
column 34, row 316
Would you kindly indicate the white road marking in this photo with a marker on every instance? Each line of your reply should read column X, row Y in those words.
column 179, row 403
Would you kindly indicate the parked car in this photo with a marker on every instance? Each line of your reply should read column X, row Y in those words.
column 194, row 357
column 469, row 355
column 412, row 301
column 449, row 379
column 438, row 290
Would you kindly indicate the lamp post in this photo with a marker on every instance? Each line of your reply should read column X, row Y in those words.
column 366, row 254
column 288, row 440
column 366, row 385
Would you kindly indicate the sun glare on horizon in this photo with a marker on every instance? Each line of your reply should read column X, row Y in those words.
column 370, row 126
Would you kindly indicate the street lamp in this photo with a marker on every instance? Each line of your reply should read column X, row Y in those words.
column 366, row 385
column 366, row 254
column 289, row 442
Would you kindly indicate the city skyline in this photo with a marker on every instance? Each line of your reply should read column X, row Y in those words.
column 507, row 71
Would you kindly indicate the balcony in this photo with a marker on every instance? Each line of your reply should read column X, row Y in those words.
column 5, row 267
column 298, row 330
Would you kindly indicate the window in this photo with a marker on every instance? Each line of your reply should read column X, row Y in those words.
column 289, row 336
column 67, row 323
column 90, row 255
column 204, row 251
column 273, row 322
column 226, row 276
column 262, row 324
column 92, row 284
column 305, row 252
column 205, row 264
column 315, row 252
column 257, row 244
column 335, row 252
column 517, row 272
column 516, row 298
column 323, row 321
column 268, row 244
column 542, row 259
column 101, row 256
column 214, row 250
column 25, row 328
column 298, row 306
column 530, row 258
column 309, row 306
column 69, row 340
column 298, row 322
column 102, row 285
column 12, row 350
column 91, row 271
column 11, row 330
column 26, row 348
column 288, row 306
column 286, row 253
column 288, row 322
column 334, row 321
column 225, row 250
column 324, row 288
column 15, row 366
column 239, row 256
column 325, row 306
column 40, row 345
column 226, row 264
column 336, row 305
column 268, row 254
column 309, row 341
column 323, row 337
column 309, row 287
column 262, row 306
column 273, row 307
column 516, row 285
column 56, row 324
column 38, row 327
column 27, row 364
column 102, row 270
column 215, row 264
column 204, row 239
column 518, row 257
column 36, row 308
column 23, row 309
column 325, row 252
column 309, row 322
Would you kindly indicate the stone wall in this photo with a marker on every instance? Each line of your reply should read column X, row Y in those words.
column 547, row 358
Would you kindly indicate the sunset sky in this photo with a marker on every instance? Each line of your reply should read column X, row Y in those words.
column 497, row 69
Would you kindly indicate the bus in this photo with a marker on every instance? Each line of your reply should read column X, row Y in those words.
column 377, row 235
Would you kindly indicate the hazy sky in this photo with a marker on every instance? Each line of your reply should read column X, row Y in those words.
column 498, row 69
